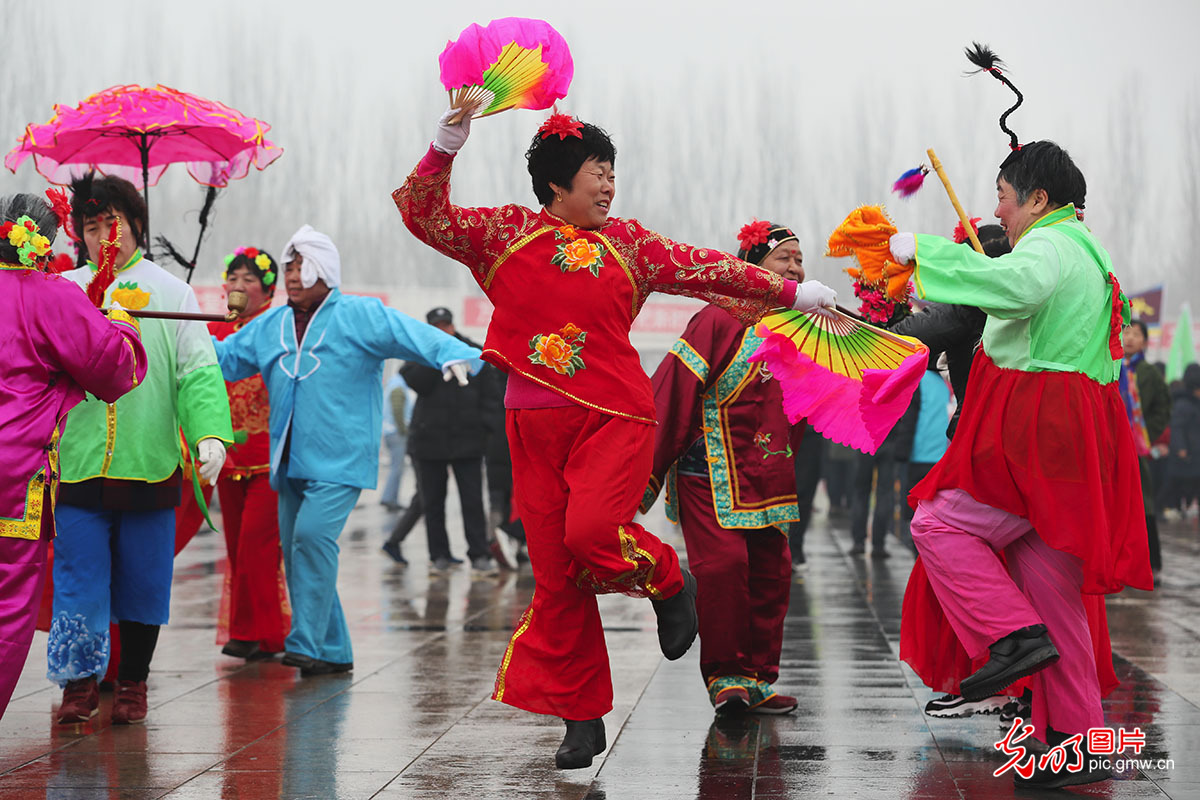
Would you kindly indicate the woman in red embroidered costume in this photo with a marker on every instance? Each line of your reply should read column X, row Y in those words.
column 566, row 283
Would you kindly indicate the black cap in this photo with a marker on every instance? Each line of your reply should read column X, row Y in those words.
column 439, row 314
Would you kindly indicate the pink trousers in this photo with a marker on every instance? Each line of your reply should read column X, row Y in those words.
column 958, row 538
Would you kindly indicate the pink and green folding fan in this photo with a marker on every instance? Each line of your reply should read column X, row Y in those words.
column 512, row 62
column 850, row 380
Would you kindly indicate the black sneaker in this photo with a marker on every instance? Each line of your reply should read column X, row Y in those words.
column 1016, row 707
column 317, row 666
column 1020, row 653
column 1093, row 769
column 393, row 550
column 953, row 705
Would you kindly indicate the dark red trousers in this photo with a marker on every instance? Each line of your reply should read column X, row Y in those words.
column 744, row 578
column 578, row 477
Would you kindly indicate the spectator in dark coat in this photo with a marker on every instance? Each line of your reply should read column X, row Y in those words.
column 450, row 429
column 1183, row 469
column 1148, row 405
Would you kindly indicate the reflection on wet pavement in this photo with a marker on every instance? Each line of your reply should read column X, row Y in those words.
column 414, row 719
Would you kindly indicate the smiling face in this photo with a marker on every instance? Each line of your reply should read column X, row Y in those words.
column 786, row 260
column 297, row 294
column 1016, row 217
column 96, row 228
column 587, row 202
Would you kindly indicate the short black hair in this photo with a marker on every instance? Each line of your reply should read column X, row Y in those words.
column 553, row 159
column 994, row 240
column 15, row 206
column 1137, row 323
column 1044, row 165
column 92, row 195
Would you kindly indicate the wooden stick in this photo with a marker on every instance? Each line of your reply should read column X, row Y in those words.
column 236, row 302
column 962, row 215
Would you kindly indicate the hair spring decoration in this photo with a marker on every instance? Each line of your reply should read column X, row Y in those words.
column 982, row 57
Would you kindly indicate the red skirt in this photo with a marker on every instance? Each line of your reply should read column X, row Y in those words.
column 1054, row 448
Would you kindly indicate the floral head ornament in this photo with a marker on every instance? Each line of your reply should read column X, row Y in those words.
column 562, row 124
column 257, row 261
column 26, row 237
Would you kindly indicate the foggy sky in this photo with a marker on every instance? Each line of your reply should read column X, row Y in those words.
column 790, row 111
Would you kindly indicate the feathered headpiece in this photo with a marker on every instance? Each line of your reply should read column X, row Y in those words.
column 982, row 57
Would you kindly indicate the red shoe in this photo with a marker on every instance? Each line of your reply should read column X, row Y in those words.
column 129, row 708
column 81, row 701
column 771, row 702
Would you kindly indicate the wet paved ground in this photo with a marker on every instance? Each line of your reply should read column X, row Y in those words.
column 414, row 720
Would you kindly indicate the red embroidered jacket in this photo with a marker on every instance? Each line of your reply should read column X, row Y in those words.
column 722, row 413
column 565, row 298
column 250, row 411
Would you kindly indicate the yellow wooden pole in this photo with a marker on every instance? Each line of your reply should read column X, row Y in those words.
column 962, row 215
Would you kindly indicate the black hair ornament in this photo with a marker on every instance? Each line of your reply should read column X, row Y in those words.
column 985, row 59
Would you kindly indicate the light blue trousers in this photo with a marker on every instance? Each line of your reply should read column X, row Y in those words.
column 311, row 516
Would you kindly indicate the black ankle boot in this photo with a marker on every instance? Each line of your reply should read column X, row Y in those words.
column 584, row 741
column 1023, row 652
column 1094, row 768
column 678, row 623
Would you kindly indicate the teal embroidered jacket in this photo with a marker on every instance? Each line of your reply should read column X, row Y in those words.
column 710, row 400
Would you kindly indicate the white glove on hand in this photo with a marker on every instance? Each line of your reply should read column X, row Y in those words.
column 813, row 296
column 450, row 138
column 212, row 458
column 457, row 370
column 903, row 246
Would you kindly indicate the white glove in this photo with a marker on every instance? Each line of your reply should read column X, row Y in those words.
column 212, row 458
column 813, row 296
column 903, row 246
column 456, row 370
column 450, row 138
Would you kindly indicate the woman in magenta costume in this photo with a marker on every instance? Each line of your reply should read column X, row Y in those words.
column 566, row 283
column 57, row 347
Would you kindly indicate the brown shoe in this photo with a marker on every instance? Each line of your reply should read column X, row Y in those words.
column 81, row 701
column 129, row 708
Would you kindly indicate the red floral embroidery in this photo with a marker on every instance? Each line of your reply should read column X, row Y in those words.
column 754, row 232
column 562, row 124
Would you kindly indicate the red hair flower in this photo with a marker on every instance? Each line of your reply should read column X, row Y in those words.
column 960, row 233
column 753, row 232
column 563, row 124
column 60, row 205
column 250, row 253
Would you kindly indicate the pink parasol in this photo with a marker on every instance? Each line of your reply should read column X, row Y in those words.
column 135, row 132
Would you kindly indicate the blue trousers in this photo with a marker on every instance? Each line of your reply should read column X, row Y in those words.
column 108, row 566
column 311, row 516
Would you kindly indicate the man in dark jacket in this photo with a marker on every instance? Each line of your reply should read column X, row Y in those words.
column 1148, row 405
column 450, row 428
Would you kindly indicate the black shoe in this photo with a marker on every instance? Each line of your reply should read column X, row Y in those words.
column 393, row 550
column 583, row 742
column 241, row 648
column 1047, row 778
column 858, row 550
column 1023, row 652
column 879, row 553
column 296, row 660
column 678, row 624
column 316, row 666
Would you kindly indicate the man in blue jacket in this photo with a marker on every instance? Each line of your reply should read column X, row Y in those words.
column 321, row 357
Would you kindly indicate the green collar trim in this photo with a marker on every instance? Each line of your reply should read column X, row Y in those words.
column 1056, row 216
column 134, row 259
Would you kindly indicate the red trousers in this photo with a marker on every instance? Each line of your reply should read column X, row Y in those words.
column 744, row 578
column 258, row 610
column 250, row 509
column 578, row 477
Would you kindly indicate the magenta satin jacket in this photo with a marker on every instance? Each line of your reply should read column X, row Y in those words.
column 56, row 346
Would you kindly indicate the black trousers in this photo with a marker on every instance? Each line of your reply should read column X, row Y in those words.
column 433, row 477
column 865, row 467
column 807, row 465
